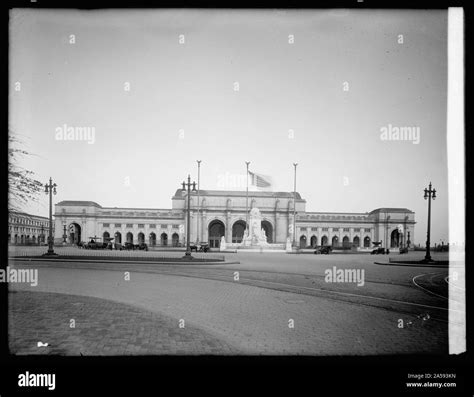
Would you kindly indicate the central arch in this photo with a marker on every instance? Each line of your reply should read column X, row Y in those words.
column 366, row 241
column 394, row 238
column 356, row 241
column 216, row 231
column 152, row 239
column 345, row 242
column 164, row 239
column 175, row 240
column 303, row 242
column 324, row 241
column 313, row 241
column 267, row 226
column 238, row 229
column 74, row 233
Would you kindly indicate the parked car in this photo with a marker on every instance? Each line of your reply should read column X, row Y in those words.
column 93, row 244
column 380, row 250
column 127, row 246
column 323, row 250
column 200, row 247
column 142, row 246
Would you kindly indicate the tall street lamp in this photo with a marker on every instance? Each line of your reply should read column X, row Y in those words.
column 429, row 194
column 188, row 185
column 51, row 189
column 294, row 208
column 247, row 201
column 198, row 205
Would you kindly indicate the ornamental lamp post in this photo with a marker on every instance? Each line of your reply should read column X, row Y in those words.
column 51, row 189
column 188, row 186
column 429, row 194
column 247, row 202
column 64, row 234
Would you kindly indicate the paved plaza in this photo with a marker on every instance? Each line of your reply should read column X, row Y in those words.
column 271, row 304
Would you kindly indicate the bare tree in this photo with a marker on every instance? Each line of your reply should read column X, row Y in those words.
column 23, row 188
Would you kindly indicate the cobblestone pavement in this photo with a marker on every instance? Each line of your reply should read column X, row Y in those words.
column 100, row 327
column 252, row 320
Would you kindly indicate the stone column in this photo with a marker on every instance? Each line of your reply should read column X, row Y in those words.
column 204, row 231
column 275, row 228
column 228, row 228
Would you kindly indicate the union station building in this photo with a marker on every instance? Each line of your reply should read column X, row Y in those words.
column 223, row 213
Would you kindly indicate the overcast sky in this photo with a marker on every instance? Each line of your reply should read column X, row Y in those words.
column 314, row 87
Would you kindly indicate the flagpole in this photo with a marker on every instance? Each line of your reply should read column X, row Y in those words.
column 198, row 208
column 294, row 208
column 247, row 200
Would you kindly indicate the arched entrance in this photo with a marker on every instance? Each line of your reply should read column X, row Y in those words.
column 152, row 239
column 118, row 238
column 394, row 239
column 216, row 231
column 267, row 226
column 345, row 242
column 175, row 239
column 74, row 233
column 164, row 239
column 356, row 241
column 238, row 230
column 303, row 242
column 367, row 242
column 34, row 239
column 314, row 241
column 335, row 241
column 324, row 241
column 129, row 238
column 141, row 238
column 105, row 237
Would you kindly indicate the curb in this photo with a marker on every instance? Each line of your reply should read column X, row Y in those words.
column 85, row 260
column 411, row 265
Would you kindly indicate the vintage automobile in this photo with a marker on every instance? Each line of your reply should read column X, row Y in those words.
column 200, row 247
column 323, row 250
column 127, row 246
column 130, row 246
column 403, row 250
column 141, row 246
column 93, row 244
column 380, row 250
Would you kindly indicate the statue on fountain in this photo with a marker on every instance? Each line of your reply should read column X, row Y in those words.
column 255, row 236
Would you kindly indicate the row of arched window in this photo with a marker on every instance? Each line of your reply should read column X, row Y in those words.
column 152, row 240
column 334, row 242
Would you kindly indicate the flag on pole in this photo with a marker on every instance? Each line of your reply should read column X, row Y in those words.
column 259, row 181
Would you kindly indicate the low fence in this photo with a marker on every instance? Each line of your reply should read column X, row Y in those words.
column 22, row 251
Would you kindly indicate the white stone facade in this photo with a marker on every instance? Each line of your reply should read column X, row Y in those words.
column 224, row 213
